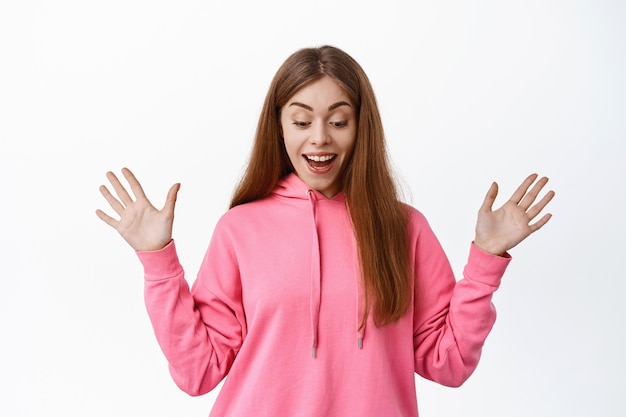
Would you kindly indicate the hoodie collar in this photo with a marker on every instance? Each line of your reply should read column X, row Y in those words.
column 291, row 186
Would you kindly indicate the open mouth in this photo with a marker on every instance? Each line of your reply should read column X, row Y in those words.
column 319, row 161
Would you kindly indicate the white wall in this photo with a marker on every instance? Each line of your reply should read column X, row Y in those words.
column 470, row 92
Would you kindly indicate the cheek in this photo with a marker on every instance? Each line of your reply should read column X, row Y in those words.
column 292, row 148
column 293, row 140
column 348, row 143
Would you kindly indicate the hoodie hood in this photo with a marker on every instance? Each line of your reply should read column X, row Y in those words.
column 292, row 187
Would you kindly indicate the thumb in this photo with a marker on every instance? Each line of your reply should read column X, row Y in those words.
column 170, row 200
column 490, row 198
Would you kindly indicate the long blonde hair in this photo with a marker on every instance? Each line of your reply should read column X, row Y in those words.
column 378, row 218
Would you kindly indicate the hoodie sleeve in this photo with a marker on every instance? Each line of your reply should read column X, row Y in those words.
column 200, row 330
column 451, row 319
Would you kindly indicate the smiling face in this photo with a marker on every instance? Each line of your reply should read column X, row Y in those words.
column 319, row 129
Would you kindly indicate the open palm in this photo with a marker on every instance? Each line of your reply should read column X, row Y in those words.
column 499, row 230
column 144, row 227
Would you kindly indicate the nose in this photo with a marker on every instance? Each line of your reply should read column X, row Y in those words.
column 320, row 134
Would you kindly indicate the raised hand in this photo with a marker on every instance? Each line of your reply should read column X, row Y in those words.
column 500, row 230
column 143, row 226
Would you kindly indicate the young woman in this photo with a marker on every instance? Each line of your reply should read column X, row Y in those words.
column 321, row 294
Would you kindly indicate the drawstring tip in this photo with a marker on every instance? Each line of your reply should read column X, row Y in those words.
column 360, row 343
column 313, row 351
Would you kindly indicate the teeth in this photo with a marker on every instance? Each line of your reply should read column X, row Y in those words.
column 323, row 158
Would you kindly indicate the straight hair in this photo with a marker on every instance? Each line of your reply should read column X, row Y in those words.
column 379, row 219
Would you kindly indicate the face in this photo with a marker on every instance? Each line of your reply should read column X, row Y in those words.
column 319, row 128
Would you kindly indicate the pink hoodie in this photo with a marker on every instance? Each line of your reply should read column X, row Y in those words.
column 277, row 303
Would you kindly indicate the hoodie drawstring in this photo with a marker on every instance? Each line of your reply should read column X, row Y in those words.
column 316, row 283
column 360, row 331
column 315, row 296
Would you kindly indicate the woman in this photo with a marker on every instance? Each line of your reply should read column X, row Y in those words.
column 320, row 294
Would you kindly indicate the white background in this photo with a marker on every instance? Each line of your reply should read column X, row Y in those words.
column 470, row 92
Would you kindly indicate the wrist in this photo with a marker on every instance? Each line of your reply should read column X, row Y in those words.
column 489, row 247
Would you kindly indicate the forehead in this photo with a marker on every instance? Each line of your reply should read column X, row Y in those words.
column 321, row 93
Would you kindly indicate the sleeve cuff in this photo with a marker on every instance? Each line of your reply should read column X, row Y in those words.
column 485, row 267
column 160, row 264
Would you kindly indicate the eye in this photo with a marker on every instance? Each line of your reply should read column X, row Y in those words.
column 342, row 123
column 301, row 124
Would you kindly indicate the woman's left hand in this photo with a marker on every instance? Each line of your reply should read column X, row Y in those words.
column 500, row 230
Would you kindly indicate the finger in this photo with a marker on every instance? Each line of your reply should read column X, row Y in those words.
column 119, row 189
column 170, row 200
column 540, row 223
column 537, row 208
column 530, row 196
column 523, row 188
column 135, row 186
column 107, row 219
column 490, row 198
column 113, row 202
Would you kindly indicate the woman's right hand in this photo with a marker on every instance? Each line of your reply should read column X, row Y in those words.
column 143, row 226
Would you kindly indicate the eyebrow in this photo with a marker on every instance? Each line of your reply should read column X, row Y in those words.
column 330, row 108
